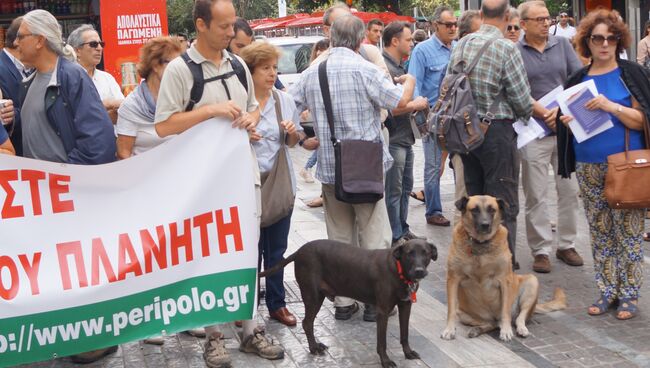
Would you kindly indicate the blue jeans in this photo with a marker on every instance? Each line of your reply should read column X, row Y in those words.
column 399, row 184
column 312, row 160
column 272, row 245
column 432, row 157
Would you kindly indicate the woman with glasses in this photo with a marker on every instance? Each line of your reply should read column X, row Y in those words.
column 89, row 48
column 135, row 122
column 513, row 31
column 624, row 93
column 278, row 114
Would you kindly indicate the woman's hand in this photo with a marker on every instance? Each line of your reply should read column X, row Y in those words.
column 310, row 144
column 289, row 127
column 601, row 102
column 565, row 119
column 253, row 135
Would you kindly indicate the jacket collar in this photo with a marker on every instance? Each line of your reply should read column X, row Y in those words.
column 7, row 58
column 54, row 80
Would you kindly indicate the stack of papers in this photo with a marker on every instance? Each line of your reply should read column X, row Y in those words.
column 585, row 123
column 536, row 128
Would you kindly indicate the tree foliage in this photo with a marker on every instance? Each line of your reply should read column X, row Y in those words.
column 179, row 16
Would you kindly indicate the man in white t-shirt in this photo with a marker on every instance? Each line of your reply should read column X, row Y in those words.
column 89, row 48
column 563, row 29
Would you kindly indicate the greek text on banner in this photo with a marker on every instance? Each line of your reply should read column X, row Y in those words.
column 93, row 256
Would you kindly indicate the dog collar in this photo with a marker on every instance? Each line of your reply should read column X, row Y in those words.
column 412, row 286
column 472, row 251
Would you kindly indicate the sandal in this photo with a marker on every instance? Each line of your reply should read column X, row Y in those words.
column 646, row 236
column 418, row 195
column 602, row 306
column 629, row 306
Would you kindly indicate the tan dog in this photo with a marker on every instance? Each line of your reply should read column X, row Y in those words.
column 482, row 290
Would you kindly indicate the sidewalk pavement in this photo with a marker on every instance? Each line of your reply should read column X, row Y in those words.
column 568, row 338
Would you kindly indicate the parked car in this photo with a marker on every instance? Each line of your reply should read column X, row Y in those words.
column 295, row 56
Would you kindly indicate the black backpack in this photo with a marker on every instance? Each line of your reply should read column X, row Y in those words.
column 199, row 80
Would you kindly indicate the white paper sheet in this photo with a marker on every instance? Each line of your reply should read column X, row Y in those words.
column 527, row 133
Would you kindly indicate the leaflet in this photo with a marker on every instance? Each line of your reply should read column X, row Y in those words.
column 536, row 128
column 585, row 123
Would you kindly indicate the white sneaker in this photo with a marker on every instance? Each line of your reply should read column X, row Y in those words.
column 305, row 174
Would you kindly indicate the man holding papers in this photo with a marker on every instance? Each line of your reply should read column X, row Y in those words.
column 549, row 60
column 624, row 94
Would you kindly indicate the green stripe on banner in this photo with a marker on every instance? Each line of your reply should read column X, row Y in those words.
column 195, row 302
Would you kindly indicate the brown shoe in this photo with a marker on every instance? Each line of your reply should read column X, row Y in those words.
column 569, row 256
column 283, row 316
column 542, row 264
column 92, row 356
column 438, row 220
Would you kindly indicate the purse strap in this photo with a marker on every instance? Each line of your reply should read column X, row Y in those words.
column 278, row 114
column 327, row 101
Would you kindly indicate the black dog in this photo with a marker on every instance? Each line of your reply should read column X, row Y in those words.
column 384, row 278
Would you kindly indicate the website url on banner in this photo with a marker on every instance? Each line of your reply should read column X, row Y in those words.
column 164, row 310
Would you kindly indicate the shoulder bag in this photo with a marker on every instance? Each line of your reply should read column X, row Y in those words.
column 628, row 175
column 277, row 194
column 359, row 170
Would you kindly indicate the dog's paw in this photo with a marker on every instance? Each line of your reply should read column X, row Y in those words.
column 448, row 333
column 319, row 348
column 412, row 355
column 388, row 364
column 506, row 333
column 474, row 332
column 523, row 331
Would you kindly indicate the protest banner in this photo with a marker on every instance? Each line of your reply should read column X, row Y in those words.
column 94, row 256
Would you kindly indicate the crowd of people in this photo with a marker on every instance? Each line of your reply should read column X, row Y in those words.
column 57, row 106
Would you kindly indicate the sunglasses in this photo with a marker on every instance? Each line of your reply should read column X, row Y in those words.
column 599, row 40
column 94, row 44
column 512, row 28
column 540, row 20
column 449, row 25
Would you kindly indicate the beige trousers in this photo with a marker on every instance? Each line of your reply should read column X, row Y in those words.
column 536, row 158
column 367, row 222
column 459, row 181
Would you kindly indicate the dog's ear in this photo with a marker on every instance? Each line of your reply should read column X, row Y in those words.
column 461, row 204
column 434, row 251
column 397, row 252
column 503, row 206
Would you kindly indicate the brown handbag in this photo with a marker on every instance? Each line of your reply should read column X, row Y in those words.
column 277, row 194
column 627, row 184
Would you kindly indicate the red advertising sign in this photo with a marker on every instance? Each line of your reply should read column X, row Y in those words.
column 126, row 26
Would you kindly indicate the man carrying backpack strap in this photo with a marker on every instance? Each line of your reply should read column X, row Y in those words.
column 493, row 167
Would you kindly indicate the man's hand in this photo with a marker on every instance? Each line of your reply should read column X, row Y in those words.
column 253, row 135
column 550, row 116
column 7, row 112
column 289, row 127
column 403, row 78
column 310, row 144
column 245, row 121
column 228, row 110
column 420, row 103
column 566, row 119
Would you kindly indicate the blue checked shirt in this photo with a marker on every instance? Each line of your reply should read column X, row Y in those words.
column 428, row 64
column 358, row 91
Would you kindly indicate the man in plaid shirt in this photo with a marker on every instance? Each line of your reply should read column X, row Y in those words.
column 493, row 168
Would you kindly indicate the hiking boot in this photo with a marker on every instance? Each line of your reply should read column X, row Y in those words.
column 92, row 356
column 408, row 235
column 369, row 313
column 259, row 344
column 569, row 256
column 542, row 264
column 215, row 353
column 345, row 313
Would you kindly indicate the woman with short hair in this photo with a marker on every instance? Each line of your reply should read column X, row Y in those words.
column 624, row 94
column 135, row 129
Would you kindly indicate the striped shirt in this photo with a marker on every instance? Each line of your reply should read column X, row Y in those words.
column 499, row 68
column 359, row 90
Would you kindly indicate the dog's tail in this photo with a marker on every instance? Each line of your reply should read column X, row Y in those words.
column 278, row 266
column 558, row 302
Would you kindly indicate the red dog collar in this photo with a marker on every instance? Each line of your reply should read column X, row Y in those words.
column 412, row 286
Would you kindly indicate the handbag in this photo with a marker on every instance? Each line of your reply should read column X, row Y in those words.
column 359, row 169
column 277, row 194
column 628, row 176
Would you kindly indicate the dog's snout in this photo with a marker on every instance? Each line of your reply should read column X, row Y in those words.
column 420, row 273
column 484, row 226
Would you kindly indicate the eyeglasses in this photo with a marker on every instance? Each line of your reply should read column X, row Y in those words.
column 449, row 25
column 599, row 40
column 19, row 36
column 512, row 28
column 540, row 20
column 94, row 44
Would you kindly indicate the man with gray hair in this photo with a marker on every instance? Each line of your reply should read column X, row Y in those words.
column 428, row 63
column 499, row 75
column 549, row 61
column 361, row 90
